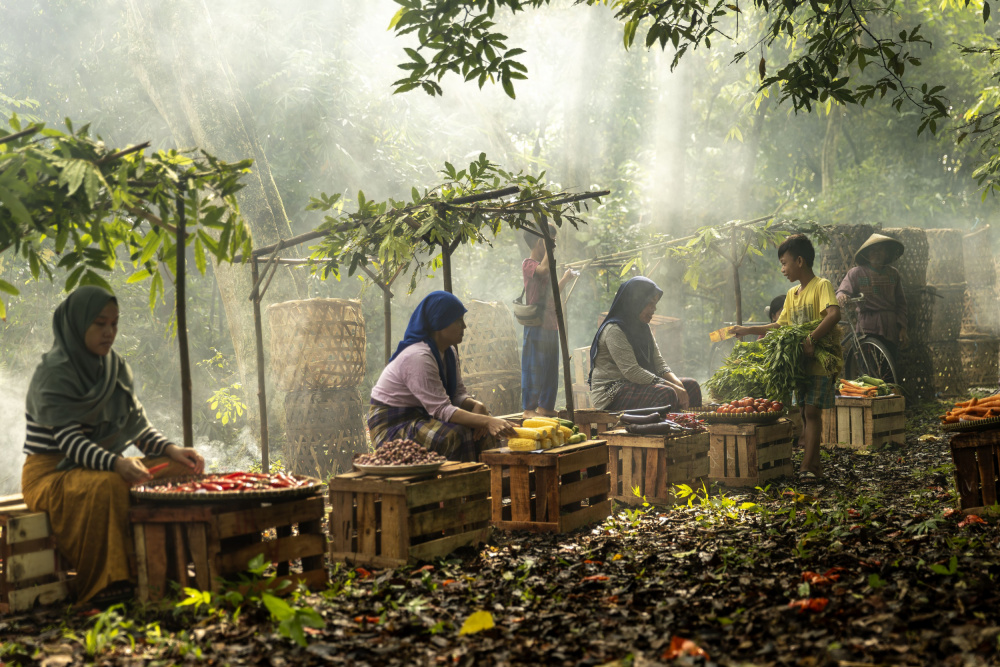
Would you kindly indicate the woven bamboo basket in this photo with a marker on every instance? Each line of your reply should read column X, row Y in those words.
column 912, row 265
column 490, row 356
column 317, row 344
column 945, row 261
column 914, row 370
column 980, row 262
column 980, row 359
column 947, row 376
column 981, row 311
column 325, row 428
column 947, row 305
column 919, row 312
column 668, row 332
column 836, row 257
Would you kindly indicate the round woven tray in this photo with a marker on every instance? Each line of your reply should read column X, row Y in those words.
column 973, row 425
column 751, row 418
column 398, row 471
column 149, row 492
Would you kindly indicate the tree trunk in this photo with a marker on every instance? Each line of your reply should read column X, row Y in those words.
column 174, row 55
column 830, row 141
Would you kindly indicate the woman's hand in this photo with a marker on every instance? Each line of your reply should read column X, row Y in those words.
column 131, row 470
column 187, row 456
column 682, row 397
column 479, row 409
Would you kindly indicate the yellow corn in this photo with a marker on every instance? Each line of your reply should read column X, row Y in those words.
column 530, row 433
column 566, row 431
column 539, row 422
column 547, row 443
column 523, row 444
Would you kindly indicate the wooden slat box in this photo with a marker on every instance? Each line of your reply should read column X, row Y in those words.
column 592, row 422
column 862, row 423
column 546, row 491
column 750, row 454
column 219, row 540
column 654, row 464
column 389, row 521
column 31, row 571
column 976, row 459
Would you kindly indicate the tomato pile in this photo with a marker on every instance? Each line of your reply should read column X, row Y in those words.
column 749, row 405
column 234, row 481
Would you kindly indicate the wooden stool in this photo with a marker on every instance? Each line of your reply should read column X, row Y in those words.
column 563, row 499
column 863, row 423
column 654, row 464
column 389, row 521
column 976, row 458
column 31, row 571
column 750, row 454
column 219, row 540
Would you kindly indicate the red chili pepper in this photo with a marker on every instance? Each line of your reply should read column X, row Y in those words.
column 157, row 468
column 211, row 486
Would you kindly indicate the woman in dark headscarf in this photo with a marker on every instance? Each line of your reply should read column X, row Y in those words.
column 626, row 369
column 420, row 395
column 82, row 414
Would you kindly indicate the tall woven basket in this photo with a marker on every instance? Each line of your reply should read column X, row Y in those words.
column 947, row 305
column 325, row 428
column 912, row 265
column 946, row 373
column 836, row 257
column 980, row 359
column 981, row 311
column 980, row 262
column 914, row 369
column 490, row 356
column 945, row 262
column 317, row 344
column 919, row 313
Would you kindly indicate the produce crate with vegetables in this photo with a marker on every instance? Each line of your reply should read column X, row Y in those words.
column 31, row 571
column 976, row 456
column 647, row 466
column 218, row 538
column 860, row 421
column 750, row 454
column 389, row 521
column 558, row 490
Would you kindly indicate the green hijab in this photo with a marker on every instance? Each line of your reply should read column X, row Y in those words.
column 75, row 386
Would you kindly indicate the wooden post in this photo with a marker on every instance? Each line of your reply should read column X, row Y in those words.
column 446, row 266
column 736, row 279
column 265, row 464
column 560, row 321
column 387, row 311
column 182, row 331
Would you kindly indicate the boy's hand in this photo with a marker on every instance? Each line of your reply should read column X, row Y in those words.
column 808, row 347
column 740, row 331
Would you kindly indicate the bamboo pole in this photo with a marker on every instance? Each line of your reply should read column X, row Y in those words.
column 265, row 464
column 560, row 321
column 736, row 281
column 387, row 312
column 446, row 267
column 182, row 331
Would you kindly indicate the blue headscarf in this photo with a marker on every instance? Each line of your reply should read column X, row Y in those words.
column 632, row 296
column 435, row 312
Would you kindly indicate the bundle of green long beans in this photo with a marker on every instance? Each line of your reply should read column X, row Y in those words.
column 786, row 361
column 743, row 373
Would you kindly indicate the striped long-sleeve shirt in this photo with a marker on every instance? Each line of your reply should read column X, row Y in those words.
column 73, row 442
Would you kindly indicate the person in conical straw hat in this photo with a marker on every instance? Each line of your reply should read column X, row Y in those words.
column 883, row 312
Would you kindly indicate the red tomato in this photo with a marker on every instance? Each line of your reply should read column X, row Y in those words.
column 778, row 406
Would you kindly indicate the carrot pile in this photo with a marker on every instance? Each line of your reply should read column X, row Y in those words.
column 859, row 388
column 975, row 408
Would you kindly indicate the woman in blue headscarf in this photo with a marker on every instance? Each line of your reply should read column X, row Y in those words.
column 626, row 369
column 420, row 395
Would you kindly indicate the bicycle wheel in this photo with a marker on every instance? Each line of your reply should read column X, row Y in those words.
column 870, row 357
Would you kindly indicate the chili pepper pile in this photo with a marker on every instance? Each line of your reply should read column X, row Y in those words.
column 234, row 481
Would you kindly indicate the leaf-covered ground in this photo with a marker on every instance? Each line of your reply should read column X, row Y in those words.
column 871, row 567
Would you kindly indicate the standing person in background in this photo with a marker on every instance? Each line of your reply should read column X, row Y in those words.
column 883, row 312
column 777, row 305
column 540, row 353
column 813, row 299
column 82, row 415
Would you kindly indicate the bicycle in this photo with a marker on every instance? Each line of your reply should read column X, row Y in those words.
column 865, row 354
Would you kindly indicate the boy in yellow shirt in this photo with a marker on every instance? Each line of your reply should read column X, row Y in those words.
column 813, row 299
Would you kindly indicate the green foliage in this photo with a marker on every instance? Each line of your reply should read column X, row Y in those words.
column 108, row 628
column 786, row 360
column 68, row 201
column 743, row 373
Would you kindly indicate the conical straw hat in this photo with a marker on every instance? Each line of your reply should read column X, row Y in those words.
column 894, row 249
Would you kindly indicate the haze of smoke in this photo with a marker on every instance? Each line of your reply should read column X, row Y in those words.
column 12, row 429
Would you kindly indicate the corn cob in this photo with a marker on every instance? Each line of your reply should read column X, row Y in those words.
column 566, row 432
column 547, row 443
column 523, row 444
column 539, row 422
column 530, row 433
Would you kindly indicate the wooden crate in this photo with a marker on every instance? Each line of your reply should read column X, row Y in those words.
column 862, row 423
column 31, row 571
column 655, row 464
column 558, row 490
column 976, row 458
column 219, row 540
column 389, row 521
column 592, row 422
column 750, row 454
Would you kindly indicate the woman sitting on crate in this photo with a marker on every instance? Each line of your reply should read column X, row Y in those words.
column 82, row 413
column 626, row 369
column 883, row 311
column 420, row 395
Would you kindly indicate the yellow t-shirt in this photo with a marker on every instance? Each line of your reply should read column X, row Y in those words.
column 805, row 304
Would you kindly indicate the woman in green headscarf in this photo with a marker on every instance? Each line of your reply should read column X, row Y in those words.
column 82, row 414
